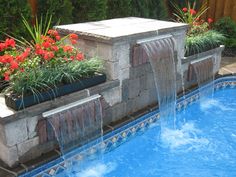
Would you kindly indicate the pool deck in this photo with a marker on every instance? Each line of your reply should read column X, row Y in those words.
column 228, row 66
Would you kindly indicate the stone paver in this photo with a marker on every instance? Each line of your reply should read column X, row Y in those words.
column 228, row 66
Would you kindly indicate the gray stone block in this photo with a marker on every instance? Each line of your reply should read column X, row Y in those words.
column 112, row 70
column 9, row 154
column 31, row 126
column 118, row 111
column 112, row 96
column 16, row 132
column 27, row 145
column 105, row 52
column 134, row 88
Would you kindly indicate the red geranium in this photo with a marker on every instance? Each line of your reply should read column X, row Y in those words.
column 192, row 12
column 185, row 9
column 210, row 20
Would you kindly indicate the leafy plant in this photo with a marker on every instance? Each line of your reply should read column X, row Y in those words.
column 227, row 27
column 203, row 42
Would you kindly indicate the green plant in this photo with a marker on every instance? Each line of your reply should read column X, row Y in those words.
column 227, row 27
column 149, row 9
column 11, row 11
column 61, row 10
column 118, row 8
column 203, row 42
column 89, row 10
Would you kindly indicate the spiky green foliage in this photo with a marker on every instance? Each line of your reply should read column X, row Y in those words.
column 38, row 79
column 189, row 17
column 203, row 42
column 10, row 17
column 61, row 10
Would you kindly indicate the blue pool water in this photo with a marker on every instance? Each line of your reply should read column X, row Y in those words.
column 202, row 145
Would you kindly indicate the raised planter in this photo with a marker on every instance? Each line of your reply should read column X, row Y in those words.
column 213, row 53
column 18, row 103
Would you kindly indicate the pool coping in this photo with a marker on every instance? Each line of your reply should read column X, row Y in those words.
column 119, row 135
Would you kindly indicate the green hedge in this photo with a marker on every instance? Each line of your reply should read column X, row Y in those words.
column 118, row 8
column 89, row 10
column 75, row 11
column 140, row 8
column 61, row 10
column 10, row 17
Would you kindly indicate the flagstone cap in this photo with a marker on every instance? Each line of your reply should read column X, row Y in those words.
column 120, row 28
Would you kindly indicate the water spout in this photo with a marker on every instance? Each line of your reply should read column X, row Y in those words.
column 161, row 55
column 77, row 124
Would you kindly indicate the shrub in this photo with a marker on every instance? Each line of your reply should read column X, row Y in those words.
column 118, row 8
column 149, row 9
column 11, row 17
column 227, row 27
column 61, row 10
column 89, row 10
column 157, row 9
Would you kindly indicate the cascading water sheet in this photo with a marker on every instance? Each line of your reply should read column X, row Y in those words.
column 204, row 72
column 75, row 127
column 161, row 56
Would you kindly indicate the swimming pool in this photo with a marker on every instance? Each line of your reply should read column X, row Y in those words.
column 203, row 143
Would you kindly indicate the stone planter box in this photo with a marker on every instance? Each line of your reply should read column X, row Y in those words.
column 215, row 54
column 18, row 103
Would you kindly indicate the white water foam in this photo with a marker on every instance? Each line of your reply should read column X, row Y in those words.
column 207, row 104
column 98, row 170
column 188, row 137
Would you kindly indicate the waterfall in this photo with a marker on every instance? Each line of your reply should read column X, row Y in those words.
column 75, row 125
column 161, row 56
column 203, row 70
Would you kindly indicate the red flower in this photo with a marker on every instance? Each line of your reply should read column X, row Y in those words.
column 67, row 48
column 55, row 48
column 73, row 41
column 6, row 77
column 53, row 32
column 10, row 42
column 7, row 58
column 48, row 55
column 14, row 65
column 80, row 56
column 210, row 20
column 2, row 46
column 46, row 44
column 192, row 12
column 185, row 9
column 73, row 36
column 57, row 37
